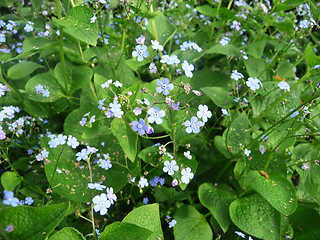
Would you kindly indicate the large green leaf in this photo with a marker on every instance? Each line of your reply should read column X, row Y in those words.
column 191, row 225
column 49, row 82
column 22, row 69
column 32, row 223
column 311, row 58
column 220, row 96
column 67, row 233
column 276, row 189
column 126, row 137
column 161, row 29
column 146, row 217
column 255, row 216
column 128, row 231
column 239, row 132
column 10, row 180
column 229, row 50
column 217, row 200
column 207, row 10
column 256, row 68
column 77, row 24
column 77, row 76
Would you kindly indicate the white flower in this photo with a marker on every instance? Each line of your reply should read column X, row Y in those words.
column 117, row 84
column 247, row 152
column 156, row 45
column 186, row 175
column 188, row 68
column 187, row 155
column 143, row 182
column 204, row 113
column 284, row 86
column 253, row 83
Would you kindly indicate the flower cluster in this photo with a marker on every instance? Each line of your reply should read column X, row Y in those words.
column 42, row 89
column 9, row 199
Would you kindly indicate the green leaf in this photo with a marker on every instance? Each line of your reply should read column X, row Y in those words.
column 256, row 49
column 77, row 76
column 229, row 50
column 10, row 180
column 32, row 223
column 255, row 216
column 311, row 58
column 49, row 82
column 126, row 137
column 256, row 67
column 67, row 233
column 22, row 69
column 77, row 24
column 217, row 200
column 162, row 30
column 239, row 132
column 207, row 10
column 128, row 231
column 220, row 96
column 276, row 189
column 191, row 225
column 146, row 217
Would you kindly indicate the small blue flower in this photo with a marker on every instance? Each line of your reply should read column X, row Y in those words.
column 164, row 86
column 172, row 223
column 170, row 60
column 101, row 204
column 72, row 142
column 83, row 155
column 193, row 125
column 28, row 200
column 284, row 86
column 143, row 182
column 97, row 186
column 235, row 75
column 224, row 41
column 140, row 126
column 170, row 167
column 240, row 234
column 156, row 115
column 304, row 24
column 204, row 113
column 145, row 201
column 9, row 199
column 253, row 83
column 141, row 52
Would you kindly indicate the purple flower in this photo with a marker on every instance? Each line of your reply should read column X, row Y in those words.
column 193, row 125
column 140, row 40
column 164, row 86
column 140, row 126
column 141, row 52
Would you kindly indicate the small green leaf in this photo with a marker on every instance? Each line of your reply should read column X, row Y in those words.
column 67, row 233
column 22, row 69
column 276, row 189
column 217, row 200
column 255, row 216
column 162, row 31
column 220, row 96
column 77, row 24
column 32, row 223
column 229, row 50
column 126, row 137
column 128, row 231
column 256, row 49
column 191, row 225
column 10, row 180
column 147, row 217
column 207, row 10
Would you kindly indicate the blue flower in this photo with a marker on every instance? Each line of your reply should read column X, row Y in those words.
column 72, row 142
column 304, row 24
column 193, row 125
column 204, row 113
column 224, row 112
column 235, row 75
column 101, row 204
column 170, row 167
column 141, row 52
column 97, row 186
column 253, row 83
column 284, row 86
column 164, row 86
column 145, row 201
column 172, row 223
column 9, row 199
column 28, row 200
column 170, row 60
column 224, row 41
column 155, row 115
column 240, row 234
column 140, row 126
column 83, row 155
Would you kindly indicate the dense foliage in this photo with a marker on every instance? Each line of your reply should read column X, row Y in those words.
column 159, row 119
